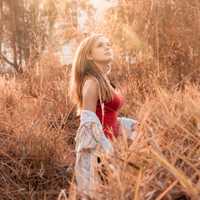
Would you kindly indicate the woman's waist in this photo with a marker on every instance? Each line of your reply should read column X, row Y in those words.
column 109, row 118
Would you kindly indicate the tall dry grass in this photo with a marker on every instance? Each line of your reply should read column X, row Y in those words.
column 37, row 137
column 36, row 154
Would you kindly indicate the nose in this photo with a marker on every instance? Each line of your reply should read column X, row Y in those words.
column 107, row 48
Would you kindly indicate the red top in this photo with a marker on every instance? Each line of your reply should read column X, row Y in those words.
column 110, row 124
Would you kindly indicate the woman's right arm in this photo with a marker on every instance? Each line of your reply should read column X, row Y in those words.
column 91, row 130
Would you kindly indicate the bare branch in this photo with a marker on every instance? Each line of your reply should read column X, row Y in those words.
column 6, row 60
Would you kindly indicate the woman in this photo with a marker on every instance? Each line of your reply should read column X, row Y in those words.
column 98, row 103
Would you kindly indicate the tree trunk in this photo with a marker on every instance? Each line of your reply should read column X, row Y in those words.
column 1, row 26
column 15, row 36
column 13, row 27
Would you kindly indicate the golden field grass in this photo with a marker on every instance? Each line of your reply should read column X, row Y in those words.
column 38, row 126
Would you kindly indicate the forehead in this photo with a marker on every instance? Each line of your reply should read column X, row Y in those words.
column 102, row 39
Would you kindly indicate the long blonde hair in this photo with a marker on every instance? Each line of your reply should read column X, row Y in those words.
column 83, row 68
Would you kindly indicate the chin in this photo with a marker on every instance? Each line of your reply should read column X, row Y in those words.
column 108, row 59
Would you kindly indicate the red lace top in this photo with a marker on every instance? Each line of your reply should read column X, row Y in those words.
column 110, row 123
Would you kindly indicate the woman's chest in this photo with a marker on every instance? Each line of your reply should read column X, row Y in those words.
column 116, row 102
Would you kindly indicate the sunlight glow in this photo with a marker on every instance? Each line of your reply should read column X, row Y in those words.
column 101, row 6
column 98, row 4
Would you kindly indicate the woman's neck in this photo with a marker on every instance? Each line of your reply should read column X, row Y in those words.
column 105, row 67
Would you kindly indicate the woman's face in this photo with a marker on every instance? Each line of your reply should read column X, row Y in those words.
column 101, row 51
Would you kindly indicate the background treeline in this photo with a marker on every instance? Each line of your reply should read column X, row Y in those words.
column 28, row 26
column 166, row 31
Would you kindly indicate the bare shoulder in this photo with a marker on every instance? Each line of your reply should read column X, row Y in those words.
column 91, row 86
column 90, row 94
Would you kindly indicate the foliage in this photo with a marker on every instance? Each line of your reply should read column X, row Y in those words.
column 166, row 30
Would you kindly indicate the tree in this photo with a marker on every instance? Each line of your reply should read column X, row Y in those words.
column 27, row 26
column 1, row 25
column 169, row 28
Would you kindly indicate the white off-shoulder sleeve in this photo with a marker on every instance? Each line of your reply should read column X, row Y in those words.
column 90, row 139
column 90, row 133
